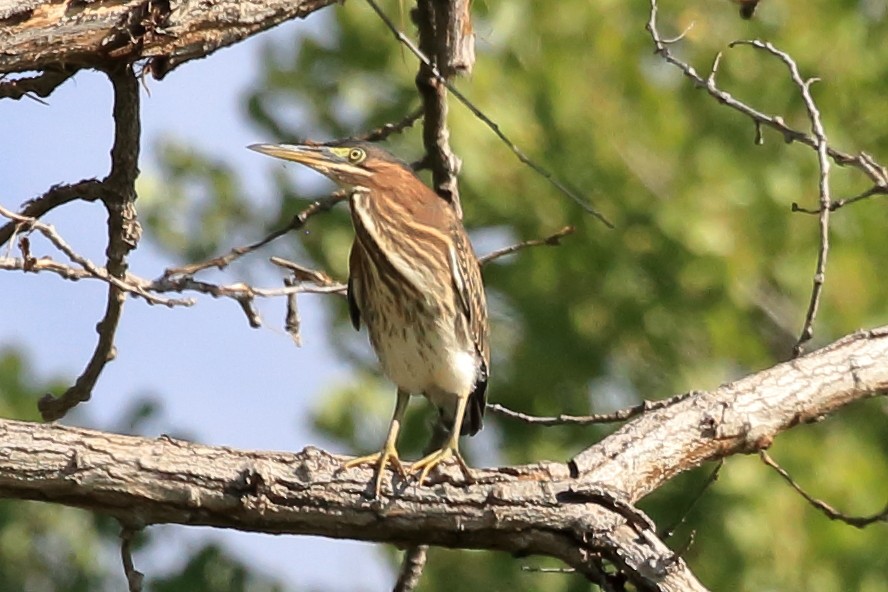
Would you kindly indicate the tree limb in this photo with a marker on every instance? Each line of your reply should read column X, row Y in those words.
column 579, row 512
column 91, row 33
column 123, row 235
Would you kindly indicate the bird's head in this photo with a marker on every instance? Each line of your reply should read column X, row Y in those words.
column 349, row 163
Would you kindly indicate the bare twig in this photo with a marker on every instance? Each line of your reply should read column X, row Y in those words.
column 88, row 268
column 560, row 420
column 411, row 568
column 134, row 578
column 549, row 241
column 292, row 321
column 548, row 570
column 87, row 190
column 33, row 87
column 829, row 511
column 539, row 169
column 123, row 234
column 238, row 291
column 304, row 274
column 383, row 132
column 862, row 161
column 840, row 203
column 667, row 533
column 822, row 146
column 297, row 222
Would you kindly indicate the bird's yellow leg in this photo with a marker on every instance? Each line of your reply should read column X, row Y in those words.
column 448, row 451
column 389, row 453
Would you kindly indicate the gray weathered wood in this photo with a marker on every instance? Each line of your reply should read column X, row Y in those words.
column 36, row 35
column 578, row 511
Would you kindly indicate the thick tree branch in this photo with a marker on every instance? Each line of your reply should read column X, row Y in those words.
column 40, row 34
column 579, row 511
column 740, row 417
column 525, row 510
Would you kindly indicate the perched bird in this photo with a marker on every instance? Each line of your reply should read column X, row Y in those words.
column 415, row 281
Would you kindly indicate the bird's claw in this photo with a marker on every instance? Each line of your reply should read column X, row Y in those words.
column 380, row 460
column 425, row 465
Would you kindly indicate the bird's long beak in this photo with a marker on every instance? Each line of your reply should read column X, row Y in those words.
column 307, row 155
column 324, row 159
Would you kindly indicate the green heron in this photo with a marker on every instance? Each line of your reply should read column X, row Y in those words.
column 415, row 281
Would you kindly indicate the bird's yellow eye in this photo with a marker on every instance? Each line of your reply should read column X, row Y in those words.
column 356, row 155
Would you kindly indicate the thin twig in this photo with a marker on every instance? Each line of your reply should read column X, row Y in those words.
column 238, row 291
column 292, row 322
column 123, row 234
column 829, row 511
column 132, row 284
column 561, row 420
column 297, row 222
column 304, row 274
column 86, row 190
column 539, row 169
column 823, row 161
column 552, row 240
column 383, row 132
column 134, row 578
column 88, row 268
column 862, row 161
column 411, row 568
column 548, row 570
column 840, row 203
column 712, row 478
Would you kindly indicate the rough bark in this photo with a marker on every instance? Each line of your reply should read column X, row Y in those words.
column 71, row 34
column 578, row 511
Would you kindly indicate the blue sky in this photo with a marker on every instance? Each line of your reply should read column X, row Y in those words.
column 218, row 380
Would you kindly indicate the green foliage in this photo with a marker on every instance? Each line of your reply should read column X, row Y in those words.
column 705, row 277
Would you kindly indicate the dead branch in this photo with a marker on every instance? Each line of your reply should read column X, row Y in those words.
column 87, row 269
column 877, row 173
column 86, row 190
column 553, row 240
column 828, row 510
column 579, row 512
column 740, row 417
column 384, row 131
column 412, row 564
column 134, row 578
column 298, row 221
column 123, row 235
column 42, row 34
column 41, row 85
column 439, row 157
column 597, row 418
column 822, row 148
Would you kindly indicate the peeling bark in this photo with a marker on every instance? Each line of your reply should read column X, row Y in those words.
column 71, row 34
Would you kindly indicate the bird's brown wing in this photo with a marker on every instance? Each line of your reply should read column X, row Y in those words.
column 469, row 288
column 354, row 285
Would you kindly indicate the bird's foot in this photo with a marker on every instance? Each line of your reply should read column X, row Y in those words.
column 424, row 465
column 381, row 459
